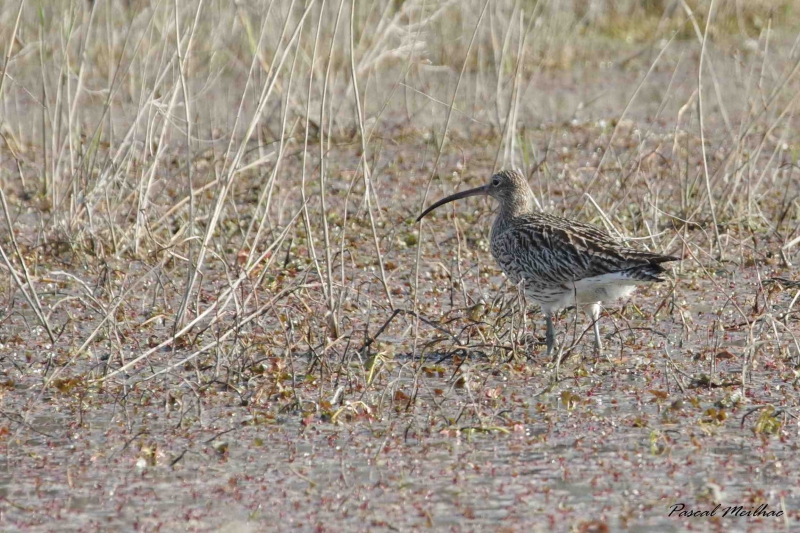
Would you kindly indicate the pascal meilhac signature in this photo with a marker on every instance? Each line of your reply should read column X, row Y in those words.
column 679, row 510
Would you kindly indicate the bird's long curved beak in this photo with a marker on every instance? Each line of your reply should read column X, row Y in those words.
column 477, row 191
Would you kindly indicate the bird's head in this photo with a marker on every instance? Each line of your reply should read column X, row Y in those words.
column 508, row 187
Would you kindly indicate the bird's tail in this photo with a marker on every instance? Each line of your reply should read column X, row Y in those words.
column 647, row 272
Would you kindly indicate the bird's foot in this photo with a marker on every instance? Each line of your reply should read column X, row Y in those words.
column 530, row 340
column 526, row 347
column 554, row 351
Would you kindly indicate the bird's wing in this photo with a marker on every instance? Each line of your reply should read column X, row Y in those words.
column 593, row 237
column 555, row 252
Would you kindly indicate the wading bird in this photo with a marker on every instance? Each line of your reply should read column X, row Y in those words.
column 561, row 262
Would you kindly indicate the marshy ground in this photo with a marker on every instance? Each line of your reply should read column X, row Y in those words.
column 222, row 315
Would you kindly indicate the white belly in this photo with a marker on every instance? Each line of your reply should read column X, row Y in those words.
column 606, row 288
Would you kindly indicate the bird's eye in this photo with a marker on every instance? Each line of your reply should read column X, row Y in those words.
column 496, row 182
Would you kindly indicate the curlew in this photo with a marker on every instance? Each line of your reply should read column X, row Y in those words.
column 561, row 262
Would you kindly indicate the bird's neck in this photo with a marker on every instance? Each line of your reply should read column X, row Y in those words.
column 519, row 205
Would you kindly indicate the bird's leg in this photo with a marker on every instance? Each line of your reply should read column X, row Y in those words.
column 595, row 309
column 550, row 333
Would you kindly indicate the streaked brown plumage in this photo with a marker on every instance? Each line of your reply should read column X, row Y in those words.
column 561, row 262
